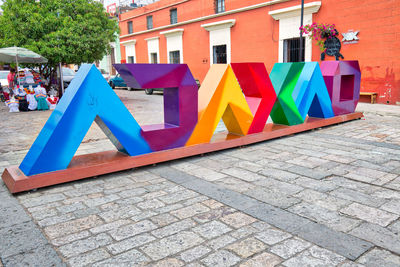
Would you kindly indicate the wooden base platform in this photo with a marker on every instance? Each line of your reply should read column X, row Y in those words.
column 91, row 165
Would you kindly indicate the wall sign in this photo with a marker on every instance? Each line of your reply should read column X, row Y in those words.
column 350, row 37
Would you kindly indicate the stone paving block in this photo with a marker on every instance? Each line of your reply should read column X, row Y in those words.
column 247, row 247
column 143, row 215
column 321, row 215
column 89, row 258
column 84, row 245
column 173, row 228
column 373, row 215
column 41, row 200
column 132, row 229
column 343, row 244
column 221, row 194
column 273, row 197
column 221, row 242
column 379, row 257
column 123, row 212
column 39, row 256
column 212, row 204
column 73, row 226
column 56, row 219
column 280, row 186
column 379, row 236
column 93, row 202
column 194, row 200
column 130, row 243
column 221, row 258
column 172, row 244
column 278, row 174
column 315, row 256
column 86, row 212
column 392, row 206
column 323, row 200
column 163, row 219
column 190, row 211
column 170, row 262
column 150, row 204
column 42, row 214
column 129, row 258
column 69, row 238
column 169, row 208
column 384, row 193
column 262, row 260
column 20, row 238
column 133, row 192
column 194, row 253
column 109, row 226
column 277, row 217
column 71, row 207
column 357, row 196
column 311, row 173
column 237, row 219
column 248, row 176
column 211, row 229
column 290, row 247
column 272, row 236
column 235, row 184
column 178, row 196
column 12, row 215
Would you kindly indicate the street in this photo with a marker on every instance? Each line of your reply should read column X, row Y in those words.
column 328, row 197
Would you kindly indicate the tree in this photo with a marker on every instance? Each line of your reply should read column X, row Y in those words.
column 67, row 31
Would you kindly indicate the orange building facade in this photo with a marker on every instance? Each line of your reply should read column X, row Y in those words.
column 203, row 32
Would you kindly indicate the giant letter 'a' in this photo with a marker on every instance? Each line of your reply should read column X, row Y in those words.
column 220, row 96
column 301, row 90
column 88, row 98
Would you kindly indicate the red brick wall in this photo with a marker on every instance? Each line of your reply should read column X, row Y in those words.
column 255, row 35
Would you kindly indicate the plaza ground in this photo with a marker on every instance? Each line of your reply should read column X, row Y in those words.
column 329, row 197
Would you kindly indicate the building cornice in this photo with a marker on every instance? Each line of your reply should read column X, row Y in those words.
column 223, row 24
column 174, row 32
column 293, row 11
column 229, row 12
column 129, row 42
column 152, row 38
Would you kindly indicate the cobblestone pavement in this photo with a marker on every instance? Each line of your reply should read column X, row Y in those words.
column 330, row 197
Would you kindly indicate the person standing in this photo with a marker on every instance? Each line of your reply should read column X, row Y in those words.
column 10, row 79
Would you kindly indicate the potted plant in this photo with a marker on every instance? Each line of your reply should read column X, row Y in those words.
column 326, row 36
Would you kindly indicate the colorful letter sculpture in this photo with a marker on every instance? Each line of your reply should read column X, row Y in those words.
column 180, row 101
column 259, row 93
column 220, row 96
column 301, row 90
column 240, row 94
column 88, row 98
column 342, row 79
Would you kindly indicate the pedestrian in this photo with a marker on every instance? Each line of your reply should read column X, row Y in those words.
column 10, row 79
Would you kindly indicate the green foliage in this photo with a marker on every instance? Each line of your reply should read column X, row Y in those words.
column 67, row 31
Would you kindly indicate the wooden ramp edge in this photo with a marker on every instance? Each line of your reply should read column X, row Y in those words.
column 91, row 165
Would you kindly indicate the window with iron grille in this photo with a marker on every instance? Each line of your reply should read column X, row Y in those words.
column 130, row 27
column 173, row 16
column 149, row 22
column 131, row 59
column 174, row 57
column 219, row 6
column 153, row 58
column 219, row 54
column 291, row 48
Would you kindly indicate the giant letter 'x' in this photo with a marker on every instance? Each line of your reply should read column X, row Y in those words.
column 350, row 36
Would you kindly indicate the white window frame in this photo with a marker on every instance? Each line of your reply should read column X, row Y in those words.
column 174, row 42
column 220, row 34
column 130, row 49
column 153, row 46
column 289, row 24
